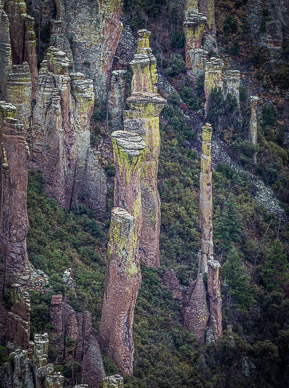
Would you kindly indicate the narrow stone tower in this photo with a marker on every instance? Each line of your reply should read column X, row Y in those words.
column 143, row 117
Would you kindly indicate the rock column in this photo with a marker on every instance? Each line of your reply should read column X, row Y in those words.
column 232, row 82
column 5, row 50
column 207, row 7
column 194, row 28
column 207, row 263
column 202, row 311
column 123, row 281
column 22, row 35
column 143, row 117
column 253, row 134
column 18, row 93
column 213, row 78
column 14, row 179
column 116, row 103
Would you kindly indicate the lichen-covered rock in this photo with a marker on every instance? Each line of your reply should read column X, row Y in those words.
column 215, row 299
column 92, row 365
column 207, row 7
column 5, row 51
column 123, row 281
column 195, row 312
column 94, row 36
column 194, row 27
column 54, row 381
column 253, row 133
column 207, row 263
column 128, row 151
column 145, row 105
column 115, row 381
column 213, row 77
column 206, row 200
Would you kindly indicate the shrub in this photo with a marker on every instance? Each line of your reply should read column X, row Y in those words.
column 176, row 65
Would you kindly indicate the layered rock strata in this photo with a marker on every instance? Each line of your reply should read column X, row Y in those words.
column 123, row 281
column 232, row 82
column 145, row 105
column 78, row 326
column 5, row 50
column 19, row 93
column 61, row 135
column 253, row 125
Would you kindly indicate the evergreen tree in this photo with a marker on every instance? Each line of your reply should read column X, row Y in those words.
column 238, row 281
column 229, row 228
column 276, row 267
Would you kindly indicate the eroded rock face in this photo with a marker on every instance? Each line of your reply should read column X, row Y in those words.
column 28, row 367
column 232, row 82
column 203, row 308
column 213, row 77
column 19, row 93
column 116, row 103
column 94, row 36
column 196, row 313
column 206, row 200
column 13, row 189
column 253, row 134
column 172, row 283
column 143, row 117
column 123, row 281
column 78, row 326
column 18, row 321
column 207, row 7
column 61, row 135
column 194, row 27
column 128, row 151
column 22, row 36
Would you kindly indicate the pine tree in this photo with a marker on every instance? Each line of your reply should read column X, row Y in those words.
column 229, row 228
column 238, row 281
column 276, row 267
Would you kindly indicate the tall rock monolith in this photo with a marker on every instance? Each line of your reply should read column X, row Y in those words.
column 13, row 208
column 253, row 134
column 5, row 50
column 145, row 106
column 123, row 281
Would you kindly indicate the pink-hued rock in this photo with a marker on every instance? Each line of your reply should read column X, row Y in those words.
column 172, row 283
column 78, row 326
column 22, row 35
column 196, row 314
column 123, row 281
